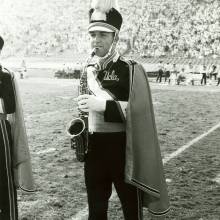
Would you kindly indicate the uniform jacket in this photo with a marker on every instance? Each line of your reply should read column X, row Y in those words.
column 130, row 103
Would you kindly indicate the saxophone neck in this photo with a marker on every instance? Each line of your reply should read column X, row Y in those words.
column 93, row 53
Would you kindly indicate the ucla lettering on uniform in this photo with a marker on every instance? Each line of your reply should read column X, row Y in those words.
column 111, row 76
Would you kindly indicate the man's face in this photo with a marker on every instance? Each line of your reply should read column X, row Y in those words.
column 102, row 41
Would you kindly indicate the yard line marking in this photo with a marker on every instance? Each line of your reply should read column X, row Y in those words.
column 49, row 150
column 84, row 212
column 189, row 144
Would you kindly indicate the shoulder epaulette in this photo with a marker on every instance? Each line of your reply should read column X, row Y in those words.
column 130, row 64
column 128, row 61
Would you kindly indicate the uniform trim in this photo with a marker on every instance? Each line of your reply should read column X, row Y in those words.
column 146, row 187
column 130, row 64
column 26, row 190
column 2, row 106
column 140, row 210
column 112, row 58
column 102, row 24
column 121, row 110
column 11, row 188
column 159, row 213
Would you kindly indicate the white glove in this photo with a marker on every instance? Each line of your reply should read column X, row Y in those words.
column 87, row 103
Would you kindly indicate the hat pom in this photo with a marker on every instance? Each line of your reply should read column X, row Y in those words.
column 98, row 15
column 104, row 5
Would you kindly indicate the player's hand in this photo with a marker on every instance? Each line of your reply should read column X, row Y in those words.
column 87, row 103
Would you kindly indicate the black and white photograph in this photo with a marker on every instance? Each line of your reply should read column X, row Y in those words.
column 110, row 110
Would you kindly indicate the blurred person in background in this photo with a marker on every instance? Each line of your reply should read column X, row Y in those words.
column 174, row 73
column 190, row 73
column 181, row 77
column 213, row 72
column 15, row 166
column 167, row 69
column 160, row 71
column 218, row 74
column 23, row 69
column 204, row 73
column 138, row 179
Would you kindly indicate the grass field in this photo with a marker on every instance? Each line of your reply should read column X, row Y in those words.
column 182, row 114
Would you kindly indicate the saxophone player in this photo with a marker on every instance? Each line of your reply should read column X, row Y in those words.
column 122, row 141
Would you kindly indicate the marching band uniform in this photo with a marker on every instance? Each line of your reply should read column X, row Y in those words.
column 15, row 167
column 123, row 143
column 105, row 162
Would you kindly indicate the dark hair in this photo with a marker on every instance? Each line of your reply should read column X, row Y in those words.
column 1, row 42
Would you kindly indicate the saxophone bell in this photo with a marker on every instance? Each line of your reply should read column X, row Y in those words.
column 75, row 127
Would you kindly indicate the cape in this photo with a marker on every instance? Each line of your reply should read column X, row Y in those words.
column 22, row 167
column 144, row 167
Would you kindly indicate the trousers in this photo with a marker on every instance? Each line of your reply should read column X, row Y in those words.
column 104, row 166
column 8, row 193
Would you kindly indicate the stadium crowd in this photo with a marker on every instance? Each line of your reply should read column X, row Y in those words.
column 187, row 28
column 153, row 28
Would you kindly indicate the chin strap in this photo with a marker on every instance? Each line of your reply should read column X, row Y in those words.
column 112, row 55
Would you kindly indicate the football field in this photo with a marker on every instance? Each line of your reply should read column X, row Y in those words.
column 188, row 124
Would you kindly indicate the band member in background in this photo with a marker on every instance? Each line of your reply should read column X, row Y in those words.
column 173, row 74
column 160, row 71
column 181, row 77
column 15, row 167
column 190, row 73
column 213, row 72
column 167, row 69
column 138, row 177
column 218, row 74
column 204, row 74
column 23, row 70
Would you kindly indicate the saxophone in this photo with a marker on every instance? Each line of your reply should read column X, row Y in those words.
column 77, row 128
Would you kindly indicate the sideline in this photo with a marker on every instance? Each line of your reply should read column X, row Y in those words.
column 81, row 215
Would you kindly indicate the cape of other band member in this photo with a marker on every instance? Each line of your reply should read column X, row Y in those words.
column 22, row 169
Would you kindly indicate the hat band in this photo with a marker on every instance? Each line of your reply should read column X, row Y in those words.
column 102, row 24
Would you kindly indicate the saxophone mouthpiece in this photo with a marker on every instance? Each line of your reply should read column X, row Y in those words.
column 94, row 52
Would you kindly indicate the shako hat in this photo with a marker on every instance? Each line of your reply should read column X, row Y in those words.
column 104, row 16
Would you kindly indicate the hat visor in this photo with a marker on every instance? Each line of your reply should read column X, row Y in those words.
column 100, row 28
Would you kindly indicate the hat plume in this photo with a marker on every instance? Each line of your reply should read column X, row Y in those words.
column 104, row 5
